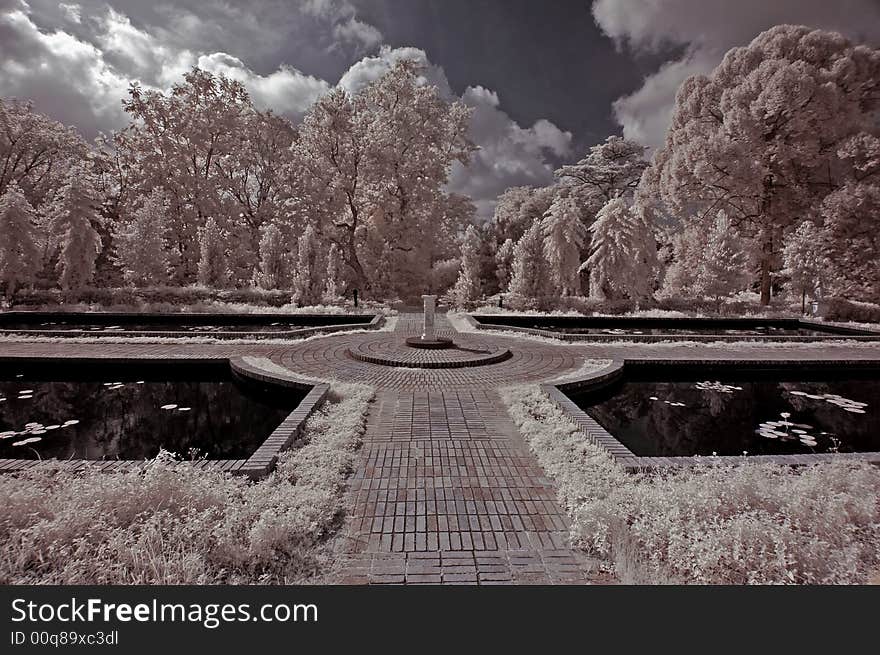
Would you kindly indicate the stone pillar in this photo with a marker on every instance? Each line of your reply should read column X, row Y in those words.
column 428, row 324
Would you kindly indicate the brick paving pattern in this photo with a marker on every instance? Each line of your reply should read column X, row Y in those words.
column 445, row 490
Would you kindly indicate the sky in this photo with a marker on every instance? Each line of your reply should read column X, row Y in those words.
column 546, row 78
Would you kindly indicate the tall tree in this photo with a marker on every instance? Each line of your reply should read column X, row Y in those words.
column 529, row 280
column 379, row 161
column 759, row 136
column 504, row 263
column 851, row 216
column 722, row 270
column 19, row 251
column 273, row 258
column 564, row 238
column 518, row 208
column 308, row 278
column 334, row 286
column 182, row 141
column 467, row 286
column 212, row 268
column 805, row 259
column 73, row 220
column 623, row 253
column 141, row 248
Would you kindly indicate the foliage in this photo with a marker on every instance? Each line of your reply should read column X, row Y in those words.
column 805, row 259
column 623, row 252
column 140, row 243
column 467, row 286
column 20, row 254
column 760, row 137
column 529, row 282
column 273, row 270
column 308, row 279
column 173, row 523
column 73, row 217
column 213, row 271
column 711, row 524
column 565, row 237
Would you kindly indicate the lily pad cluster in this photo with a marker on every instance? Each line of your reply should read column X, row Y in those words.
column 786, row 430
column 33, row 432
column 846, row 404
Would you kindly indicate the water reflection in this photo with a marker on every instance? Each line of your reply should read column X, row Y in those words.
column 767, row 415
column 127, row 418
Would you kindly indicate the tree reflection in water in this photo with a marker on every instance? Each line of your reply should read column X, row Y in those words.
column 693, row 415
column 120, row 415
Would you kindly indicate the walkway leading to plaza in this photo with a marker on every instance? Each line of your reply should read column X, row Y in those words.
column 446, row 491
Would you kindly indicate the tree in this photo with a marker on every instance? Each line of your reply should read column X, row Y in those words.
column 504, row 263
column 612, row 169
column 623, row 253
column 19, row 251
column 377, row 163
column 759, row 136
column 36, row 152
column 308, row 281
column 467, row 286
column 688, row 246
column 565, row 236
column 804, row 256
column 213, row 271
column 184, row 141
column 273, row 258
column 529, row 283
column 518, row 208
column 73, row 218
column 335, row 285
column 722, row 271
column 141, row 249
column 851, row 219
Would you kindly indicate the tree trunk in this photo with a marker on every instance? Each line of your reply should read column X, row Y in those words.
column 803, row 302
column 766, row 255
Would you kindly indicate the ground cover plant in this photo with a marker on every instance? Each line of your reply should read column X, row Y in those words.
column 170, row 523
column 713, row 523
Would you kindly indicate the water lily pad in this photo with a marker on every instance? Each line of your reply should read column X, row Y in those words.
column 183, row 409
column 170, row 406
column 70, row 422
column 27, row 441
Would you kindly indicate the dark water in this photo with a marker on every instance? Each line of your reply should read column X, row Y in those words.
column 150, row 326
column 746, row 414
column 759, row 331
column 88, row 412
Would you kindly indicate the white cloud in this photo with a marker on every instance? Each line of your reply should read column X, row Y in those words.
column 79, row 76
column 369, row 69
column 286, row 91
column 706, row 30
column 509, row 154
column 347, row 28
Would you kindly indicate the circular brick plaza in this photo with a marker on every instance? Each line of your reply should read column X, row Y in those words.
column 392, row 350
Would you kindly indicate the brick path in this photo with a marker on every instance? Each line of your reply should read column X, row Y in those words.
column 445, row 490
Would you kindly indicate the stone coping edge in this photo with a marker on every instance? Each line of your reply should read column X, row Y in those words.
column 838, row 334
column 495, row 358
column 258, row 465
column 374, row 324
column 632, row 463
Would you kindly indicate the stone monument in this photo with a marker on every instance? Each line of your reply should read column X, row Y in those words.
column 429, row 338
